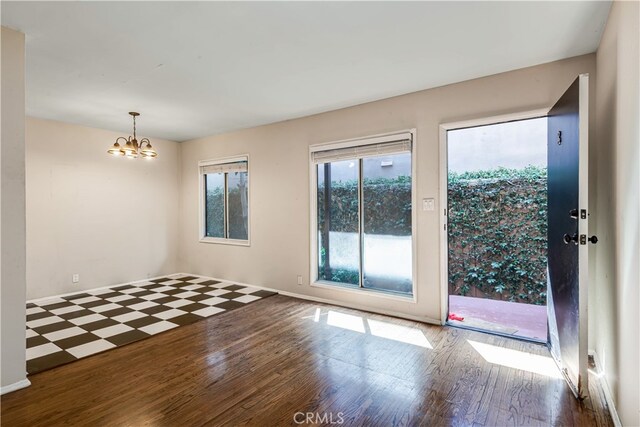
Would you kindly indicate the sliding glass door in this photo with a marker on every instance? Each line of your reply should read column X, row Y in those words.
column 364, row 217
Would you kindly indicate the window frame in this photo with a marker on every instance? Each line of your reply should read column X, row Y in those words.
column 313, row 229
column 202, row 226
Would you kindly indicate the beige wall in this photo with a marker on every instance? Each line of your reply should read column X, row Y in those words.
column 80, row 219
column 616, row 339
column 279, row 205
column 111, row 220
column 12, row 223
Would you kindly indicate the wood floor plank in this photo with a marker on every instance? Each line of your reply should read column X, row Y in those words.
column 262, row 364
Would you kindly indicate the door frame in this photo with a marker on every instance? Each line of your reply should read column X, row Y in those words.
column 444, row 187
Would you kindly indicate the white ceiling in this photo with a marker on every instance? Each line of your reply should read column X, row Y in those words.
column 201, row 68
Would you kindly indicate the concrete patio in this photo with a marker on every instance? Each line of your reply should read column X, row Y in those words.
column 512, row 318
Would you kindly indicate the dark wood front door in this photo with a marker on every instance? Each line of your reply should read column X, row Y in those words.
column 567, row 233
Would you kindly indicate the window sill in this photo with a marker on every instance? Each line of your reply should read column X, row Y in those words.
column 220, row 241
column 365, row 291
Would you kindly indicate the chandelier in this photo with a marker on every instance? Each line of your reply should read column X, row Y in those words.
column 131, row 149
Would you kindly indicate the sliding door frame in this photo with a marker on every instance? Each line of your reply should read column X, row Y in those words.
column 313, row 224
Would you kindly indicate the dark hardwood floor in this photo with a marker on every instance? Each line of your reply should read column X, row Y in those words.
column 262, row 364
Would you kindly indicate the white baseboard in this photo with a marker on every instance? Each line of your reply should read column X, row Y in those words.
column 330, row 301
column 606, row 390
column 80, row 291
column 361, row 307
column 286, row 293
column 15, row 386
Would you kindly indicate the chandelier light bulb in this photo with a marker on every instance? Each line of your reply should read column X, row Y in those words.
column 116, row 150
column 148, row 151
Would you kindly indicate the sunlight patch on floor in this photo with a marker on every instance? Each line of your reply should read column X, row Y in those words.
column 345, row 321
column 400, row 333
column 516, row 359
column 377, row 328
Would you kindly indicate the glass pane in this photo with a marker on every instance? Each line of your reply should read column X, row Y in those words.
column 338, row 222
column 386, row 199
column 238, row 205
column 214, row 204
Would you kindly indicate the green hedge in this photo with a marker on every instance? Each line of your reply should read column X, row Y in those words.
column 215, row 213
column 387, row 211
column 387, row 206
column 498, row 234
column 497, row 228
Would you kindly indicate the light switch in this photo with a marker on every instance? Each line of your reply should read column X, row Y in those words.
column 428, row 204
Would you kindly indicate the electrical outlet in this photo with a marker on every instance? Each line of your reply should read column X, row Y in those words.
column 75, row 278
column 299, row 280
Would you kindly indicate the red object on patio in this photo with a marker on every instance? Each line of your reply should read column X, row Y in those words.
column 453, row 316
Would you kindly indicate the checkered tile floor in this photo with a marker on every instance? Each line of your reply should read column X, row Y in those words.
column 64, row 329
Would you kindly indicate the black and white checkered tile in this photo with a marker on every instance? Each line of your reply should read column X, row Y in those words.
column 64, row 329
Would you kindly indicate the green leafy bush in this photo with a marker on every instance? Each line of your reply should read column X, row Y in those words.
column 339, row 275
column 497, row 228
column 387, row 211
column 498, row 234
column 387, row 206
column 215, row 213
